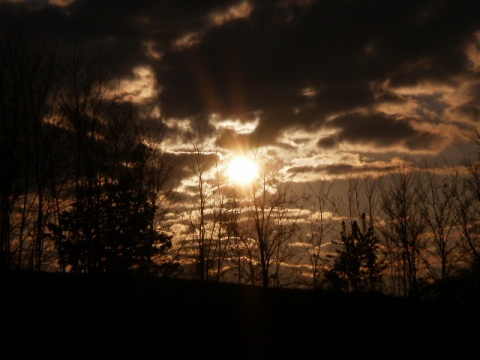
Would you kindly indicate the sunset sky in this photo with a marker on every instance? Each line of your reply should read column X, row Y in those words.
column 329, row 86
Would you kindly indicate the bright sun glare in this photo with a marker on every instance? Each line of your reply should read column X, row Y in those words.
column 242, row 170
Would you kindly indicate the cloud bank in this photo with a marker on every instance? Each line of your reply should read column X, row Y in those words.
column 322, row 83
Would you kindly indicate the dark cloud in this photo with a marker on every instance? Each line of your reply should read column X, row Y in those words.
column 470, row 109
column 328, row 142
column 378, row 129
column 344, row 168
column 337, row 48
column 291, row 63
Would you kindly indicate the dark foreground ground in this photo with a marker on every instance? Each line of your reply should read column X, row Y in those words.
column 70, row 317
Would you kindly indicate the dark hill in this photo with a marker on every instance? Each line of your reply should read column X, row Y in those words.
column 69, row 316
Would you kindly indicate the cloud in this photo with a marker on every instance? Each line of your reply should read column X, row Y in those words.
column 379, row 130
column 241, row 10
column 389, row 75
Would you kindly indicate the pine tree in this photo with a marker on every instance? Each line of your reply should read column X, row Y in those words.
column 356, row 268
column 111, row 234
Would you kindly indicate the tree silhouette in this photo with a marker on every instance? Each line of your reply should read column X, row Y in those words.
column 356, row 267
column 27, row 149
column 319, row 226
column 110, row 225
column 403, row 229
column 205, row 245
column 272, row 221
column 111, row 234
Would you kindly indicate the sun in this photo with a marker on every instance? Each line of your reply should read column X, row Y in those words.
column 242, row 170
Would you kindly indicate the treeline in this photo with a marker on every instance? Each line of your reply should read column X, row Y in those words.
column 79, row 183
column 85, row 187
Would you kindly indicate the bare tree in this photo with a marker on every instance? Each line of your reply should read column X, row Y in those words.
column 438, row 194
column 83, row 108
column 468, row 198
column 206, row 218
column 160, row 182
column 28, row 144
column 318, row 227
column 242, row 250
column 404, row 225
column 271, row 222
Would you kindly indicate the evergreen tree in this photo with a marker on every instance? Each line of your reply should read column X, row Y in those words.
column 356, row 268
column 112, row 233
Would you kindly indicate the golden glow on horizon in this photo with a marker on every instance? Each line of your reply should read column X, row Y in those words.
column 242, row 170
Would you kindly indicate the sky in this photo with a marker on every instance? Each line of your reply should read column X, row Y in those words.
column 332, row 87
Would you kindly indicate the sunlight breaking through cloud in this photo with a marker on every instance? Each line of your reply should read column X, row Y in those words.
column 239, row 126
column 238, row 11
column 141, row 88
